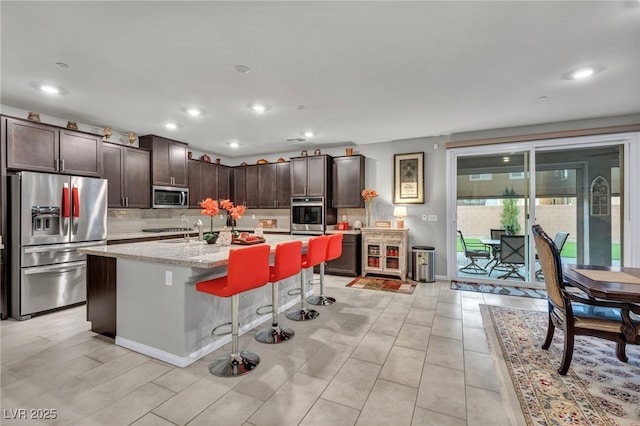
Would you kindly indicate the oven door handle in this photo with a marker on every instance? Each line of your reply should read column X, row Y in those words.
column 54, row 268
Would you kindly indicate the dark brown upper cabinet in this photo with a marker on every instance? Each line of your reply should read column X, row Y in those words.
column 168, row 160
column 224, row 182
column 252, row 188
column 275, row 185
column 127, row 170
column 239, row 185
column 44, row 148
column 203, row 182
column 348, row 181
column 311, row 176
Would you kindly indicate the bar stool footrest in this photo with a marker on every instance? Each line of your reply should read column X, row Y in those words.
column 294, row 291
column 264, row 312
column 234, row 365
column 274, row 335
column 213, row 332
column 303, row 314
column 320, row 300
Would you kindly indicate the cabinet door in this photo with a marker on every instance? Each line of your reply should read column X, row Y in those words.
column 160, row 159
column 283, row 185
column 113, row 161
column 373, row 254
column 252, row 187
column 299, row 177
column 209, row 185
column 348, row 181
column 349, row 262
column 224, row 186
column 195, row 183
column 239, row 185
column 316, row 176
column 179, row 166
column 267, row 190
column 32, row 146
column 80, row 153
column 137, row 189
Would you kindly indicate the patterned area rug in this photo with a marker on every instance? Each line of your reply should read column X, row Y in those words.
column 498, row 289
column 383, row 284
column 597, row 390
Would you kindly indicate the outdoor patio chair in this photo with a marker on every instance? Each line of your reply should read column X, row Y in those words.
column 495, row 249
column 473, row 252
column 512, row 255
column 577, row 314
column 559, row 240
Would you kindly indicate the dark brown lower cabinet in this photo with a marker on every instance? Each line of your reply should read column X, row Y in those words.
column 349, row 263
column 101, row 294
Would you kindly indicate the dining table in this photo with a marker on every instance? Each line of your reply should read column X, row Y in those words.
column 614, row 283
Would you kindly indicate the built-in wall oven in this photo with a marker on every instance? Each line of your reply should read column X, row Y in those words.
column 310, row 215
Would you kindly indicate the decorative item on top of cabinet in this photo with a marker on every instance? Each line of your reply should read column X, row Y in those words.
column 262, row 161
column 33, row 116
column 281, row 160
column 205, row 158
column 317, row 152
column 107, row 133
column 72, row 125
column 131, row 137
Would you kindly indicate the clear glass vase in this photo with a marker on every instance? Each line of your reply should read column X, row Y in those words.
column 367, row 211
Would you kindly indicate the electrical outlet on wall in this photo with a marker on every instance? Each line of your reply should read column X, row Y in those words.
column 433, row 218
column 424, row 217
column 168, row 278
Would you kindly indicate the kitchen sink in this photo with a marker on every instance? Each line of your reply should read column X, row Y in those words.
column 174, row 229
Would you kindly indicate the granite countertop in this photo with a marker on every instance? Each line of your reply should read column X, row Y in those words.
column 194, row 254
column 140, row 234
column 337, row 231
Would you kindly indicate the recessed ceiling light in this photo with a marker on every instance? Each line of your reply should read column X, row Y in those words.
column 234, row 144
column 584, row 72
column 242, row 68
column 309, row 134
column 259, row 108
column 47, row 88
column 171, row 126
column 194, row 112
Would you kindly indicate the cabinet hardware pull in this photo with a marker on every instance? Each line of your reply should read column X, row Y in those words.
column 56, row 164
column 62, row 167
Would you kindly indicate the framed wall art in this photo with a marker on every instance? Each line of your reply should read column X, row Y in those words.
column 408, row 178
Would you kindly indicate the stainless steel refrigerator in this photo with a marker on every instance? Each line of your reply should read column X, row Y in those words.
column 51, row 217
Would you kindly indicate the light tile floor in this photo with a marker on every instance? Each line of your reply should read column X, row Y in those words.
column 372, row 358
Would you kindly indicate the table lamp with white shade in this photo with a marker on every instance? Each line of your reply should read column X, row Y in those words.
column 400, row 212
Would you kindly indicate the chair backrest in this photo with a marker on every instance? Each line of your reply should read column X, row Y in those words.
column 248, row 267
column 287, row 260
column 462, row 243
column 316, row 250
column 334, row 248
column 512, row 249
column 497, row 233
column 551, row 265
column 560, row 239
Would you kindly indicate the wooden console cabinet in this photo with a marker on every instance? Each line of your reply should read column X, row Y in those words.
column 384, row 251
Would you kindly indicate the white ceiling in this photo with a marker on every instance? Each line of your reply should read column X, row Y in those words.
column 364, row 71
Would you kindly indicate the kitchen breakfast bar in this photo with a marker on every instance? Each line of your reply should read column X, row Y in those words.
column 143, row 295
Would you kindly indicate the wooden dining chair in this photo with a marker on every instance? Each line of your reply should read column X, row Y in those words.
column 558, row 240
column 576, row 314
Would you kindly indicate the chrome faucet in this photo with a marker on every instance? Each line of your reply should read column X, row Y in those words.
column 183, row 219
column 198, row 225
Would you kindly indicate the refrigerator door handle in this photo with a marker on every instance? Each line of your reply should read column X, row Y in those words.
column 76, row 201
column 47, row 249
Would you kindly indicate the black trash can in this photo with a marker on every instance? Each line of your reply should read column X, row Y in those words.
column 423, row 263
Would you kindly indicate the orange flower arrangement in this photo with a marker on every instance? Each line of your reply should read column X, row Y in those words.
column 211, row 209
column 235, row 212
column 369, row 195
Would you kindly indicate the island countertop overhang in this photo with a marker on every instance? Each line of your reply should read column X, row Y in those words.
column 193, row 254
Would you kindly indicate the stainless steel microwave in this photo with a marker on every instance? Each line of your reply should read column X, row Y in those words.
column 170, row 197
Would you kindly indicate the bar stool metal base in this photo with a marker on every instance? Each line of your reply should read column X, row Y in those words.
column 274, row 335
column 231, row 365
column 321, row 300
column 302, row 314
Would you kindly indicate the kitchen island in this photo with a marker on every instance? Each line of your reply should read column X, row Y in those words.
column 143, row 295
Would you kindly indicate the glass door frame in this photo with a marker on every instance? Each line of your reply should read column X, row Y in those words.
column 631, row 185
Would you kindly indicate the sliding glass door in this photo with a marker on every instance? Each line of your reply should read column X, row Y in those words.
column 574, row 190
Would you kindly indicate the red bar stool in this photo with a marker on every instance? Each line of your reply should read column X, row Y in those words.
column 334, row 251
column 316, row 252
column 288, row 262
column 248, row 268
